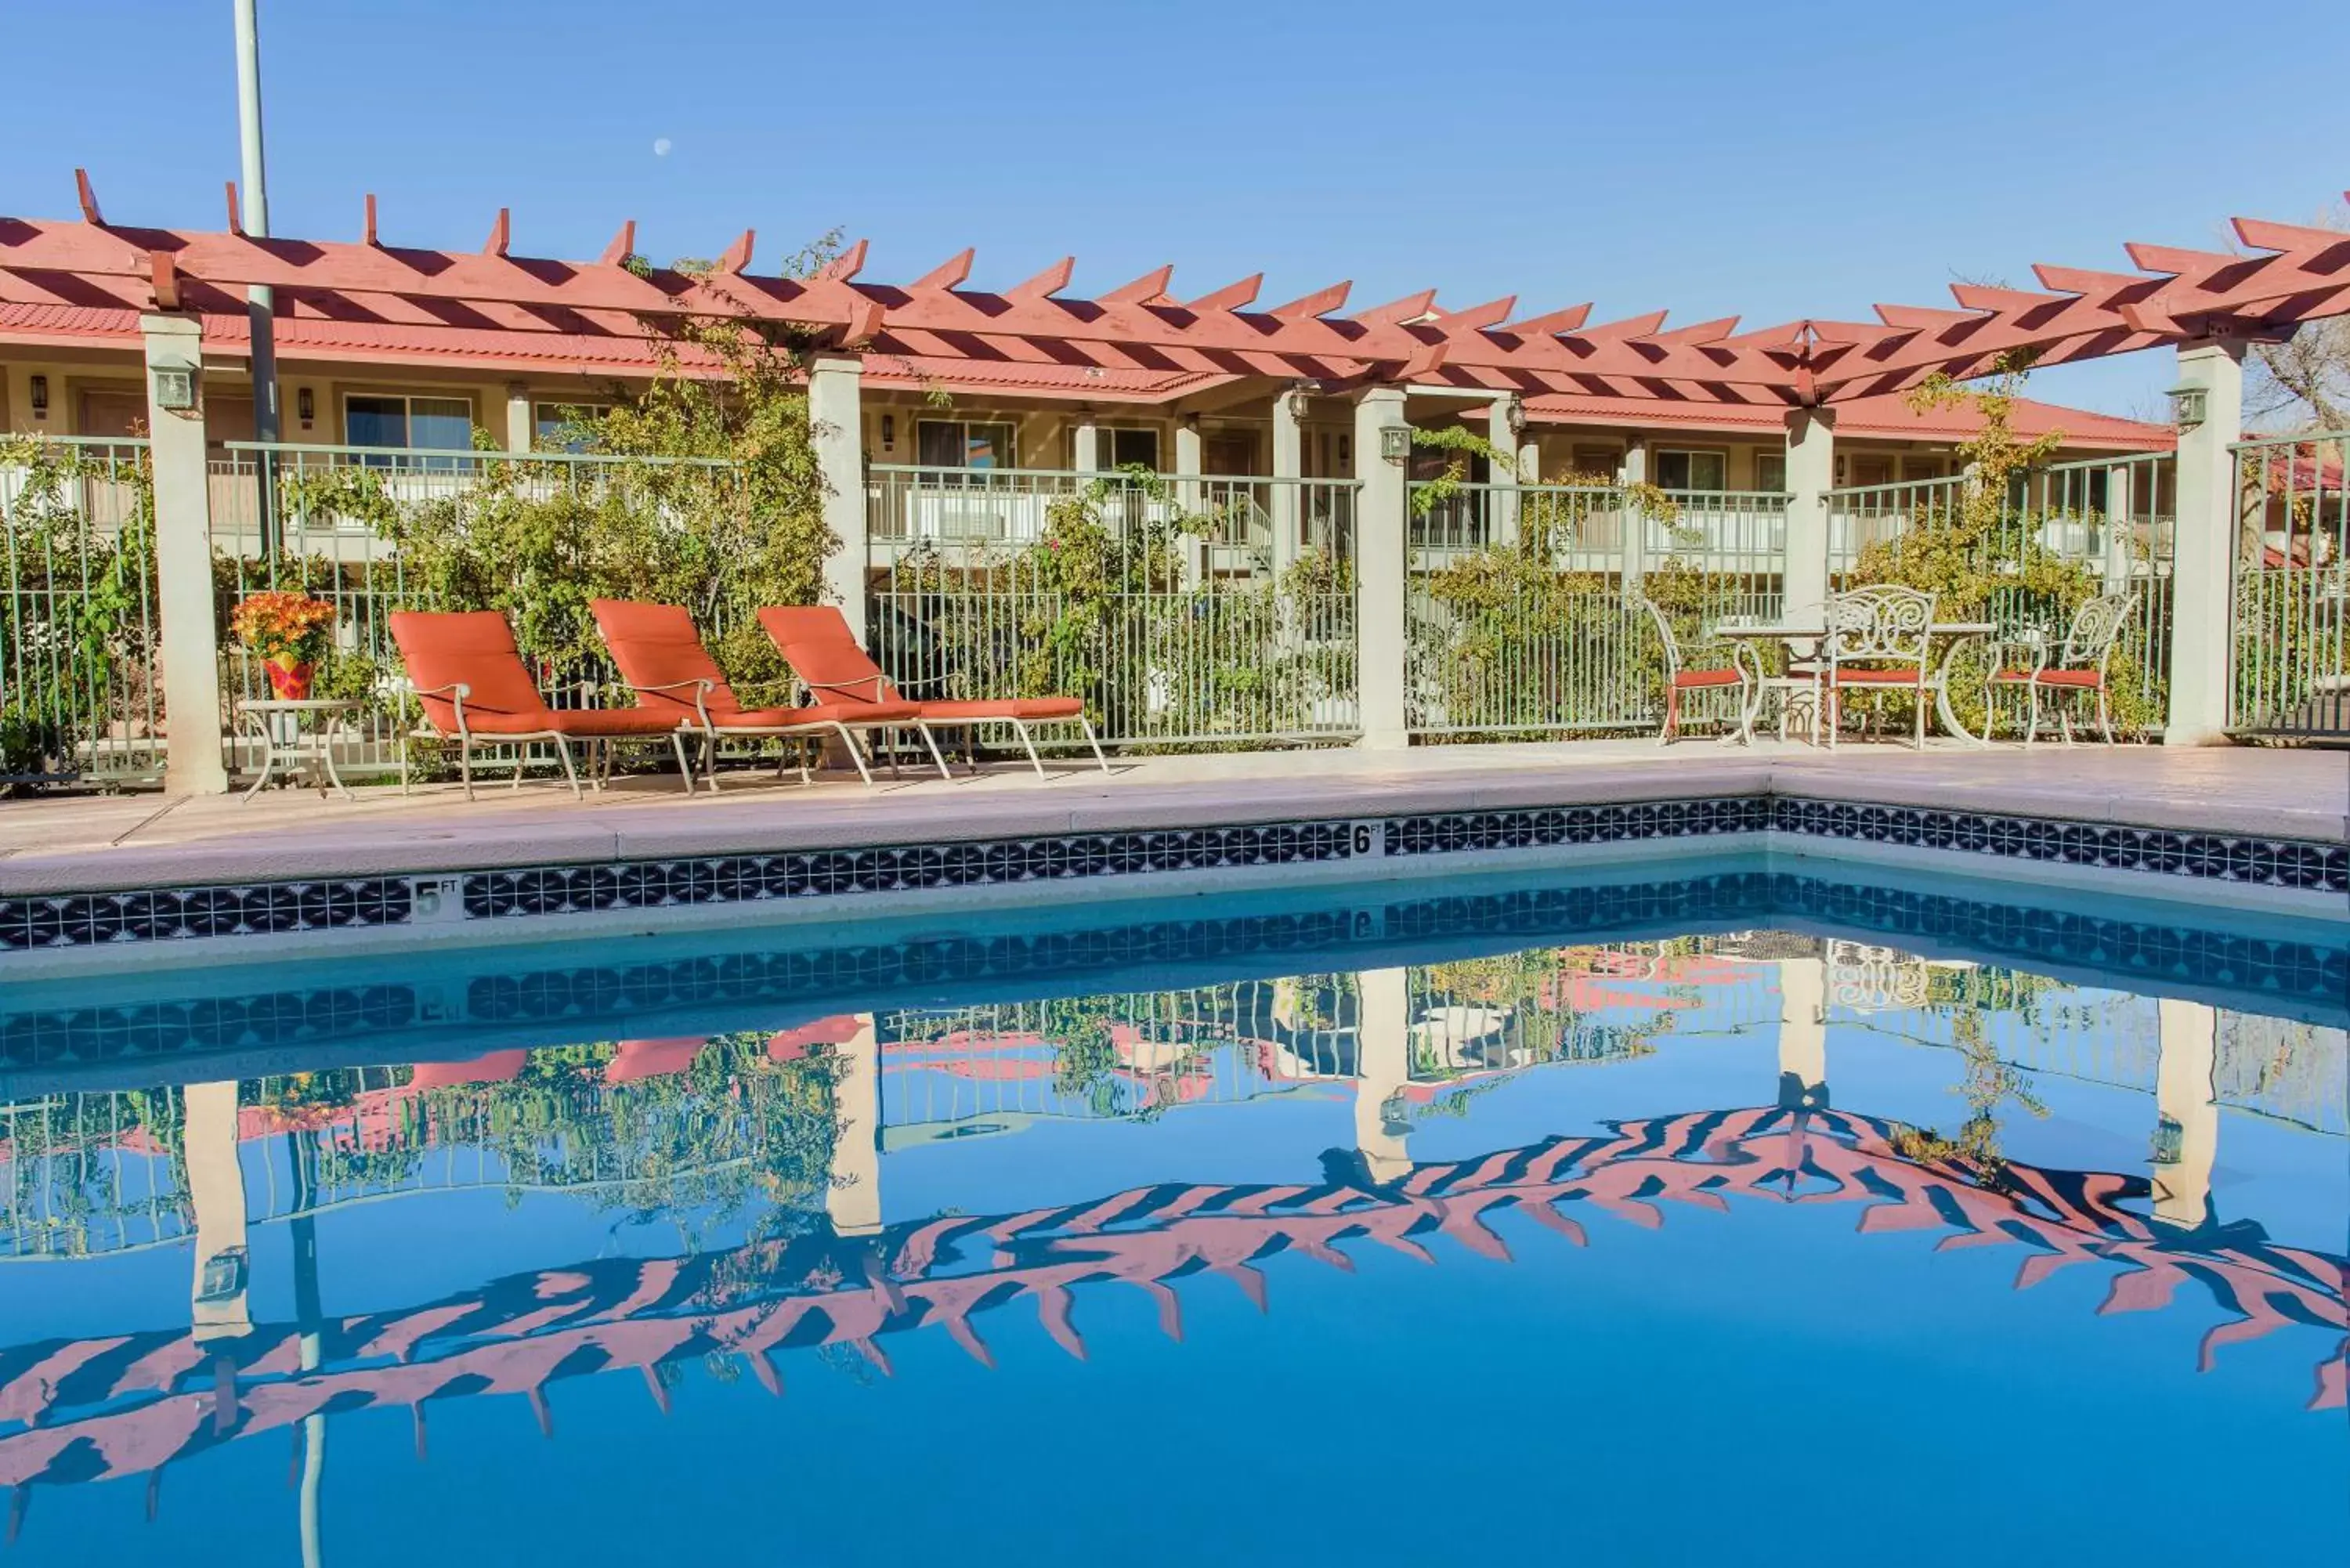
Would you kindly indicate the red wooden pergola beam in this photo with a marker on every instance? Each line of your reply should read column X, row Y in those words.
column 1315, row 306
column 1410, row 307
column 846, row 265
column 1477, row 317
column 1549, row 325
column 1046, row 283
column 1232, row 297
column 949, row 274
column 1150, row 288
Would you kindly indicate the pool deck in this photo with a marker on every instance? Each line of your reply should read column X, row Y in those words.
column 62, row 845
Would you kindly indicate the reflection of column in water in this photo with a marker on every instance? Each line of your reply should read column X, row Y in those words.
column 218, row 1311
column 310, row 1320
column 1383, row 1067
column 854, row 1200
column 1802, row 1034
column 216, row 1192
column 2187, row 1136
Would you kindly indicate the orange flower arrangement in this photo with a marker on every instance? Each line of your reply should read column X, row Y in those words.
column 288, row 632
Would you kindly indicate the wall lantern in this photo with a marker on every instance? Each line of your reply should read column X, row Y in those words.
column 40, row 388
column 306, row 406
column 175, row 388
column 2169, row 1140
column 2186, row 406
column 889, row 431
column 1395, row 442
column 1513, row 415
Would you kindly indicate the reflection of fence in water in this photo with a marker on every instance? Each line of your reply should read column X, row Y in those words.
column 1112, row 1056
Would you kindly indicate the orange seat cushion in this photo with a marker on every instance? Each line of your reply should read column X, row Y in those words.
column 1026, row 708
column 787, row 718
column 2087, row 680
column 476, row 649
column 656, row 646
column 1689, row 677
column 1847, row 676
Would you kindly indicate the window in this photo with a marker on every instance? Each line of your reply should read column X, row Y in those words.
column 1868, row 471
column 1921, row 468
column 1691, row 470
column 558, row 426
column 962, row 443
column 1770, row 471
column 1123, row 448
column 426, row 424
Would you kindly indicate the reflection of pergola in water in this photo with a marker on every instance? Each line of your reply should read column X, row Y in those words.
column 126, row 1405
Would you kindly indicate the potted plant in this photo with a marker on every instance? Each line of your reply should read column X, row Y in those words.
column 289, row 633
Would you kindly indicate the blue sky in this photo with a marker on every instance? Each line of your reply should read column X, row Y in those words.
column 1766, row 160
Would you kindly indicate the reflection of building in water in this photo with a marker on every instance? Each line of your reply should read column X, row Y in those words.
column 126, row 1404
column 2186, row 1135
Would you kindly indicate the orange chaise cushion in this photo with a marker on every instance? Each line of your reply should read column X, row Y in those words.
column 475, row 647
column 656, row 646
column 1023, row 708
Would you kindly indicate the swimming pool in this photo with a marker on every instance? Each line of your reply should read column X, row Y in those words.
column 1728, row 1213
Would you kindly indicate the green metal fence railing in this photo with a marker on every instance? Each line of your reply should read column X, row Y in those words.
column 1522, row 603
column 1184, row 609
column 2290, row 650
column 332, row 528
column 80, row 693
column 2064, row 532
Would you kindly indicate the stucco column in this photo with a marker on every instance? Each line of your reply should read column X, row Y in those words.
column 854, row 1199
column 1379, row 571
column 1635, row 535
column 2118, row 527
column 194, row 763
column 2202, row 582
column 522, row 428
column 1811, row 474
column 1382, row 1068
column 837, row 421
column 1503, row 420
column 1191, row 461
column 1087, row 441
column 1287, row 501
column 2187, row 1137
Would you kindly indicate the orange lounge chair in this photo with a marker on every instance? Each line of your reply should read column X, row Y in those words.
column 470, row 678
column 661, row 658
column 816, row 643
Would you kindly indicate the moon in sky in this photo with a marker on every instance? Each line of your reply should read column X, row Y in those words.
column 661, row 146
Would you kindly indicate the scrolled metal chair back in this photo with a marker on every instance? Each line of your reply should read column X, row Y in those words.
column 1881, row 621
column 1664, row 632
column 2096, row 627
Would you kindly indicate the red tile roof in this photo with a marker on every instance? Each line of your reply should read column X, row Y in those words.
column 1885, row 417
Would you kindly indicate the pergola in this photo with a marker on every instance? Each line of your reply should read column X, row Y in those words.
column 2286, row 275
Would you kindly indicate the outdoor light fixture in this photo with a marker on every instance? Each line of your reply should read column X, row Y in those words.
column 1395, row 442
column 175, row 388
column 2169, row 1140
column 40, row 397
column 2187, row 404
column 889, row 431
column 1514, row 414
column 1298, row 402
column 306, row 407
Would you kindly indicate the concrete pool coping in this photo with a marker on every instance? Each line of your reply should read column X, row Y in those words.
column 58, row 846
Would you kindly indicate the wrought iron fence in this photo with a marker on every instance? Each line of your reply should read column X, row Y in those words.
column 2064, row 531
column 326, row 520
column 80, row 692
column 2290, row 669
column 1524, row 610
column 1174, row 606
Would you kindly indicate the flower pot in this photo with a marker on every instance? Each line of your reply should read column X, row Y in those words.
column 289, row 680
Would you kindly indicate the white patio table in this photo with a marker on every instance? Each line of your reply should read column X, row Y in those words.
column 1956, row 634
column 286, row 743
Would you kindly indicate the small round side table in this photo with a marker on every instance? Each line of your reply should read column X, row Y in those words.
column 286, row 743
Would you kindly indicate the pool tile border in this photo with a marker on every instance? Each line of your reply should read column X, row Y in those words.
column 166, row 914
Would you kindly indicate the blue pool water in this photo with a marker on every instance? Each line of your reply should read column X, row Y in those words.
column 1737, row 1216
